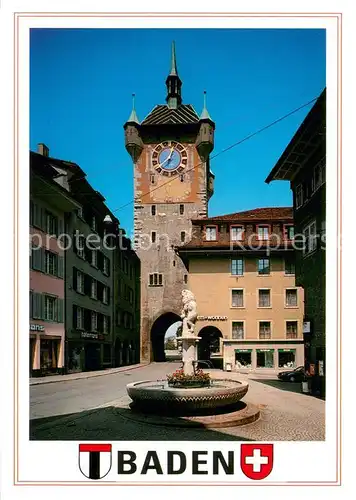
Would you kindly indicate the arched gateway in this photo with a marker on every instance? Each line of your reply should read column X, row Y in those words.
column 209, row 342
column 158, row 331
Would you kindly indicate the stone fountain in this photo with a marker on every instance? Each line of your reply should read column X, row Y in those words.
column 164, row 398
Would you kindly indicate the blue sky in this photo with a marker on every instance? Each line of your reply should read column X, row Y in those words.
column 81, row 83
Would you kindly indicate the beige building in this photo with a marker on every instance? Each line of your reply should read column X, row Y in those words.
column 241, row 271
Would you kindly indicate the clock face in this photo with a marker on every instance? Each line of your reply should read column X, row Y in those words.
column 169, row 158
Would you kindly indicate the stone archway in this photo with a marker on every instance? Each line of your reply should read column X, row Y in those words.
column 158, row 331
column 209, row 342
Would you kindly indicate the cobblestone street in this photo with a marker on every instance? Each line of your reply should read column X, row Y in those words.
column 97, row 408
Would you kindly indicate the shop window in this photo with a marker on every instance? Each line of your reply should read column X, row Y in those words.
column 291, row 329
column 286, row 358
column 210, row 233
column 155, row 279
column 48, row 354
column 263, row 266
column 289, row 265
column 291, row 297
column 237, row 298
column 243, row 358
column 238, row 330
column 264, row 330
column 264, row 298
column 265, row 358
column 107, row 353
column 236, row 233
column 237, row 267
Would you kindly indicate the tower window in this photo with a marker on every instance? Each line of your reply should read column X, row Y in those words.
column 153, row 236
column 152, row 179
column 181, row 209
column 155, row 279
column 182, row 236
column 185, row 278
column 181, row 177
column 174, row 263
column 153, row 210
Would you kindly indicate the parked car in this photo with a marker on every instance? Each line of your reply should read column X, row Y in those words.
column 296, row 375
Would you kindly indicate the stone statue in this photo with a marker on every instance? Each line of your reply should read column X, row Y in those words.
column 189, row 313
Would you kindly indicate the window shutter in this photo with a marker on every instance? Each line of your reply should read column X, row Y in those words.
column 75, row 312
column 42, row 253
column 31, row 307
column 36, row 259
column 60, row 266
column 36, row 305
column 87, row 285
column 43, row 306
column 43, row 220
column 74, row 278
column 60, row 226
column 60, row 310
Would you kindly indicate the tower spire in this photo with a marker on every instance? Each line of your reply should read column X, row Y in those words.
column 205, row 113
column 174, row 71
column 173, row 83
column 133, row 118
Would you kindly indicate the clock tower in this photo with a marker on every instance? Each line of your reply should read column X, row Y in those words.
column 172, row 185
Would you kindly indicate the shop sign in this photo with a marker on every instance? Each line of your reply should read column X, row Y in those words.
column 212, row 318
column 321, row 368
column 37, row 328
column 88, row 335
column 306, row 327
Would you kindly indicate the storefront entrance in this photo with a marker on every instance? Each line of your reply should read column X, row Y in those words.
column 265, row 358
column 49, row 352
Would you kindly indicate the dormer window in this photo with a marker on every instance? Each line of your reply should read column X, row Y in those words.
column 263, row 232
column 236, row 233
column 211, row 233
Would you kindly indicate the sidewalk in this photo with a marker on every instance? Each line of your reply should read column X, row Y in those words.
column 50, row 379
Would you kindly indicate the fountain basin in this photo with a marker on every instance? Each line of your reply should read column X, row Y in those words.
column 157, row 395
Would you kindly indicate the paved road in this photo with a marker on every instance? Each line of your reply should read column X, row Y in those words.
column 73, row 396
column 60, row 411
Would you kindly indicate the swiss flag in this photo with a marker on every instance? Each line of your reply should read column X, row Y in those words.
column 256, row 460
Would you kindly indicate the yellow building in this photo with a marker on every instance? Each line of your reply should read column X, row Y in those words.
column 241, row 271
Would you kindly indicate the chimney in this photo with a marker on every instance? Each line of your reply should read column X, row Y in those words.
column 42, row 149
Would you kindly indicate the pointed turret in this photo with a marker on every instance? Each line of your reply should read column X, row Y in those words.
column 133, row 140
column 173, row 83
column 133, row 118
column 205, row 139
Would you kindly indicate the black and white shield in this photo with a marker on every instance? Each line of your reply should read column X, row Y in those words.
column 95, row 460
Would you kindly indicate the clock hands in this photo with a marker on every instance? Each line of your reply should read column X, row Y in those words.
column 167, row 159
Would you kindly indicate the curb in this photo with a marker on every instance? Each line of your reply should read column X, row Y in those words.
column 89, row 375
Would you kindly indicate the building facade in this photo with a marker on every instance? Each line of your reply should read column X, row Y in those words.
column 89, row 269
column 172, row 185
column 50, row 202
column 303, row 165
column 242, row 273
column 127, row 303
